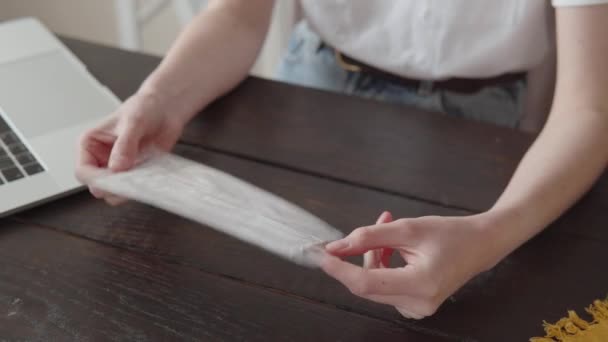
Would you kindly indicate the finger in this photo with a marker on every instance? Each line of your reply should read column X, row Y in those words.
column 86, row 166
column 405, row 305
column 126, row 148
column 111, row 199
column 93, row 145
column 385, row 217
column 373, row 258
column 361, row 240
column 115, row 200
column 365, row 282
column 85, row 157
column 408, row 306
column 97, row 193
column 385, row 257
column 87, row 174
column 409, row 314
column 378, row 258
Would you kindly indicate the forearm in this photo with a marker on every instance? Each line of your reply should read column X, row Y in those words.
column 571, row 152
column 559, row 168
column 210, row 57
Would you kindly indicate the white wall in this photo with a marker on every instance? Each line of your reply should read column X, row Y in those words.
column 87, row 19
column 95, row 20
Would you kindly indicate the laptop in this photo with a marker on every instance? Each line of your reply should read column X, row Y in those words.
column 47, row 100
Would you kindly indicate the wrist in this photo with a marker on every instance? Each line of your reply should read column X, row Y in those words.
column 502, row 231
column 163, row 101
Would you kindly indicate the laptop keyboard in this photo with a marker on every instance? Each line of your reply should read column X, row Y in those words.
column 16, row 161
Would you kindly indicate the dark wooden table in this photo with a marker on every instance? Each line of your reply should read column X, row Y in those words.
column 76, row 269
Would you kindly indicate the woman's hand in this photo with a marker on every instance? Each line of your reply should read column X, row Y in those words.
column 441, row 255
column 186, row 86
column 115, row 144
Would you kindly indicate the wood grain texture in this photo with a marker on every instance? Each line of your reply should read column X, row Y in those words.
column 335, row 152
column 454, row 162
column 143, row 229
column 442, row 160
column 56, row 287
column 539, row 281
column 396, row 148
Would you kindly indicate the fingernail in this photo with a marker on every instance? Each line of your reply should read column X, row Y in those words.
column 337, row 246
column 117, row 162
column 382, row 217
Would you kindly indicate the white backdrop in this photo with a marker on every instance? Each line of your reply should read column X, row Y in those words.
column 96, row 21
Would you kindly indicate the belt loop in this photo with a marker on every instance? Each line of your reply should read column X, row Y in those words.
column 426, row 87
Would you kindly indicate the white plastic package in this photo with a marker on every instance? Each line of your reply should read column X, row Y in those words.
column 226, row 203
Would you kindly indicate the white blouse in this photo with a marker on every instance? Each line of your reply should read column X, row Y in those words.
column 437, row 39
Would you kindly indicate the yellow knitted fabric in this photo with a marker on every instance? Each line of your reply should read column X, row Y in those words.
column 575, row 329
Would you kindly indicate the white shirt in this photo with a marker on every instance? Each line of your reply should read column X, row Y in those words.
column 437, row 39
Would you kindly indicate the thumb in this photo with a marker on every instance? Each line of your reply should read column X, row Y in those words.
column 374, row 258
column 126, row 148
column 364, row 239
column 385, row 217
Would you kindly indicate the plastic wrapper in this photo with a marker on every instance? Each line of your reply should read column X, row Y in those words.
column 225, row 203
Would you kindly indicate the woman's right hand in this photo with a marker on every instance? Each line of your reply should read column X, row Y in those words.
column 115, row 144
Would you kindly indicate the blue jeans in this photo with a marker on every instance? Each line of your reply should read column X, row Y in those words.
column 305, row 63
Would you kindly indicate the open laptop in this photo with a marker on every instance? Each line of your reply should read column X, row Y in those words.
column 47, row 99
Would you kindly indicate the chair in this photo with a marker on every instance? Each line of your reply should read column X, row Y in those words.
column 132, row 15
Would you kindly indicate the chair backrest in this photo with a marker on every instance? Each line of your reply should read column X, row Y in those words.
column 131, row 17
column 187, row 9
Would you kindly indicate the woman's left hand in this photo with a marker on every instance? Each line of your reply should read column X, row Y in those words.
column 441, row 255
